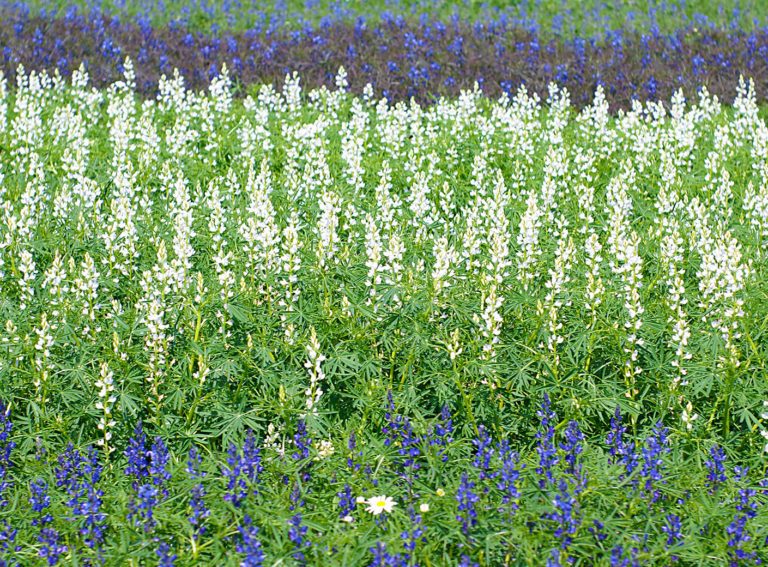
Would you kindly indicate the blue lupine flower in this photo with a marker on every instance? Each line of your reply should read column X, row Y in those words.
column 716, row 466
column 566, row 514
column 146, row 465
column 7, row 542
column 51, row 547
column 158, row 466
column 199, row 510
column 467, row 562
column 39, row 449
column 546, row 447
column 302, row 442
column 409, row 448
column 164, row 555
column 483, row 453
column 297, row 534
column 250, row 545
column 6, row 447
column 142, row 507
column 49, row 537
column 94, row 524
column 7, row 533
column 400, row 433
column 79, row 477
column 243, row 472
column 508, row 477
column 351, row 445
column 617, row 557
column 381, row 558
column 296, row 497
column 737, row 530
column 441, row 433
column 40, row 501
column 236, row 486
column 573, row 447
column 413, row 536
column 69, row 475
column 347, row 503
column 622, row 451
column 467, row 500
column 653, row 463
column 138, row 464
column 672, row 527
column 597, row 530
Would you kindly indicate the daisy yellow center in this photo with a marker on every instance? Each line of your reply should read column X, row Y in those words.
column 381, row 503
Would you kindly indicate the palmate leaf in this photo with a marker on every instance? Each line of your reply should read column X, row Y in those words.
column 130, row 406
column 238, row 312
column 225, row 368
column 231, row 426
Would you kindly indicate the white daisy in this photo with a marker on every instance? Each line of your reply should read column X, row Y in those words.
column 379, row 504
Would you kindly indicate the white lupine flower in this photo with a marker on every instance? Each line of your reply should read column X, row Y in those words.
column 595, row 290
column 756, row 206
column 472, row 238
column 3, row 104
column 373, row 252
column 341, row 79
column 327, row 226
column 182, row 213
column 54, row 280
column 454, row 348
column 260, row 229
column 723, row 276
column 43, row 346
column 420, row 205
column 393, row 267
column 688, row 416
column 86, row 287
column 105, row 387
column 28, row 271
column 528, row 241
column 629, row 269
column 316, row 374
column 324, row 449
column 559, row 276
column 443, row 269
column 764, row 416
column 290, row 265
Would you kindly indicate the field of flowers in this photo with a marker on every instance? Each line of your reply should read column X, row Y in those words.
column 314, row 323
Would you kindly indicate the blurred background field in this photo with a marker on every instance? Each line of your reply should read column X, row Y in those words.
column 559, row 18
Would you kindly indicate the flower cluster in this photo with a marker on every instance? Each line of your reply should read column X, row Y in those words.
column 242, row 471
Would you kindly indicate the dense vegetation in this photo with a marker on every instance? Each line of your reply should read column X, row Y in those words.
column 307, row 324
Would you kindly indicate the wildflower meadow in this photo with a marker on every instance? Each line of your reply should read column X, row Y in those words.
column 334, row 320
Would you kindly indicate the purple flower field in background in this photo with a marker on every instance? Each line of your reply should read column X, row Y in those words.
column 401, row 59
